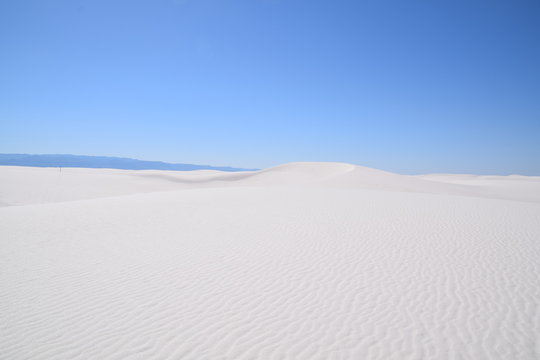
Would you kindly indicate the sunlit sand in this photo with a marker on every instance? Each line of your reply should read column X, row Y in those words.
column 300, row 261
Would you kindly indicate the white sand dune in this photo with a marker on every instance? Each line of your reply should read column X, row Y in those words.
column 300, row 261
column 28, row 185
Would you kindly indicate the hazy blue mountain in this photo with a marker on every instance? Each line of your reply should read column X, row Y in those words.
column 101, row 162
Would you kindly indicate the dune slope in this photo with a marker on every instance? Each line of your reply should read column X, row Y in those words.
column 302, row 261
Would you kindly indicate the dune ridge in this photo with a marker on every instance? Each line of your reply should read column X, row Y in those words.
column 26, row 185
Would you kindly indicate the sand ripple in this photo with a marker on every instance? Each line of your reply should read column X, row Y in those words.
column 271, row 273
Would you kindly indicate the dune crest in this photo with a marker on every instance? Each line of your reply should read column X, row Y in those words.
column 26, row 185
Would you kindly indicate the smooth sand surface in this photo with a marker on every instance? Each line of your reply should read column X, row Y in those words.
column 300, row 261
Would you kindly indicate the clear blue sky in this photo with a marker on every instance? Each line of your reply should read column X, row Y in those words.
column 406, row 86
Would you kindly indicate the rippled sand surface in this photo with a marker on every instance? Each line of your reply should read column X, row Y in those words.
column 301, row 261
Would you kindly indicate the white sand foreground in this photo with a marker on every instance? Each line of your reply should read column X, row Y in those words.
column 300, row 261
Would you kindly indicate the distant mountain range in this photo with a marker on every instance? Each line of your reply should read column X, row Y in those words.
column 83, row 161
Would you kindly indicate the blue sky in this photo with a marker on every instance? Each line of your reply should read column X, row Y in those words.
column 406, row 86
